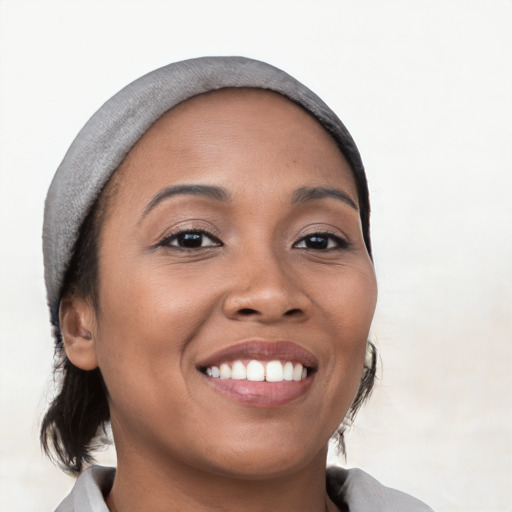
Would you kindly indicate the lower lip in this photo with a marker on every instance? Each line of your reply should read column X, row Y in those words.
column 261, row 394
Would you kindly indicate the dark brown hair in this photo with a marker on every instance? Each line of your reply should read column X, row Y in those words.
column 72, row 426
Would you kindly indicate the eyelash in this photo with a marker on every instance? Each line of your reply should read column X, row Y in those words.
column 200, row 232
column 340, row 243
column 325, row 237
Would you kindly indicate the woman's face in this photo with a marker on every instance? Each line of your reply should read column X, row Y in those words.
column 233, row 240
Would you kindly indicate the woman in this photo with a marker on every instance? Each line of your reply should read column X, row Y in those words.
column 210, row 281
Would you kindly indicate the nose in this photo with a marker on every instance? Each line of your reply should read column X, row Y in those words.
column 263, row 289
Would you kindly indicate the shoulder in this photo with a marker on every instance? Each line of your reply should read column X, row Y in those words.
column 353, row 490
column 89, row 490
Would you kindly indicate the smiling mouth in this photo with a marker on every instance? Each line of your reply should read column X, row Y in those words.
column 261, row 373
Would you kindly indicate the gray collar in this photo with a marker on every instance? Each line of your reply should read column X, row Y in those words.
column 352, row 490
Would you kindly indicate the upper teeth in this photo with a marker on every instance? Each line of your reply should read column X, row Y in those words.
column 272, row 371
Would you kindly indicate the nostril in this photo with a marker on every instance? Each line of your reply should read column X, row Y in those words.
column 293, row 312
column 247, row 311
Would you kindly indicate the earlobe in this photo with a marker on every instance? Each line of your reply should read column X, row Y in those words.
column 77, row 324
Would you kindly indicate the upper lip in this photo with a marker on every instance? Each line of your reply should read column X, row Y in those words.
column 263, row 350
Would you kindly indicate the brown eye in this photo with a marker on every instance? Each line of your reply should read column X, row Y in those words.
column 321, row 242
column 191, row 240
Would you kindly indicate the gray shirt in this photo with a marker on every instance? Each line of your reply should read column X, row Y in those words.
column 352, row 490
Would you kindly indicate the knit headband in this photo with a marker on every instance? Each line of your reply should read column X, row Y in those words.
column 112, row 131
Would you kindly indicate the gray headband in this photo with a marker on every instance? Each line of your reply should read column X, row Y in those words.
column 108, row 136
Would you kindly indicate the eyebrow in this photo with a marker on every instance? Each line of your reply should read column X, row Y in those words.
column 209, row 191
column 305, row 194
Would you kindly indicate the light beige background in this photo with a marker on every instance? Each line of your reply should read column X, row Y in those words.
column 425, row 87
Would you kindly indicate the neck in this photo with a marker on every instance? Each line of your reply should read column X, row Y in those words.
column 143, row 483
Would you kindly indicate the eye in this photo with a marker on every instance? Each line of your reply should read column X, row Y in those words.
column 191, row 239
column 321, row 242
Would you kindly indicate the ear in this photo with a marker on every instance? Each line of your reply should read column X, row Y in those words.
column 78, row 326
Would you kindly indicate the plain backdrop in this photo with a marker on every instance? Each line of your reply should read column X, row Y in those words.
column 425, row 88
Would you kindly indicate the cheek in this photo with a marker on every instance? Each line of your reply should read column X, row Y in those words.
column 156, row 300
column 146, row 323
column 350, row 301
column 348, row 310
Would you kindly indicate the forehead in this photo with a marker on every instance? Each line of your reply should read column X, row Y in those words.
column 247, row 130
column 221, row 106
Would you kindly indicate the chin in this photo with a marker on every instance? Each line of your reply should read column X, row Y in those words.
column 265, row 455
